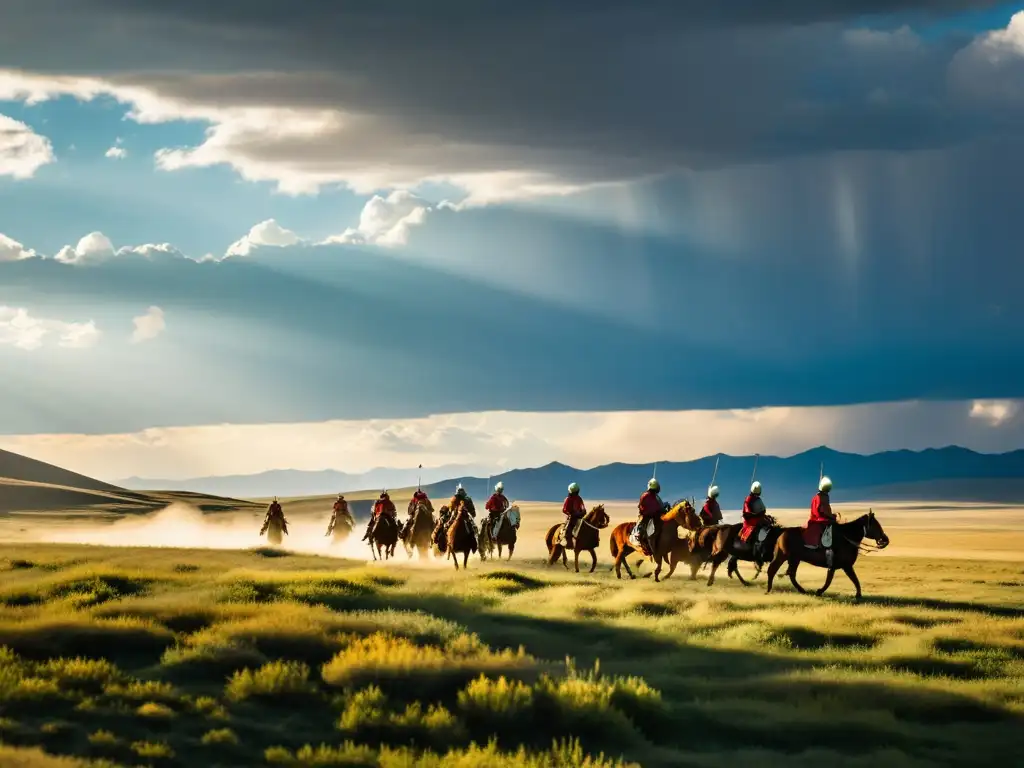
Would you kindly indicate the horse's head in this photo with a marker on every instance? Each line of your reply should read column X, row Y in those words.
column 873, row 530
column 597, row 517
column 684, row 513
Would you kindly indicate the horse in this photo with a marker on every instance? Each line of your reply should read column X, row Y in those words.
column 846, row 545
column 508, row 525
column 461, row 537
column 671, row 547
column 587, row 540
column 420, row 533
column 439, row 536
column 726, row 547
column 384, row 538
column 274, row 527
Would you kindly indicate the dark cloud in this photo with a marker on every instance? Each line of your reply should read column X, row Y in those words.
column 580, row 92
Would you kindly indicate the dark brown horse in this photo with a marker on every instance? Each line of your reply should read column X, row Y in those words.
column 508, row 527
column 588, row 539
column 728, row 546
column 384, row 538
column 439, row 537
column 847, row 540
column 461, row 537
column 421, row 532
column 671, row 547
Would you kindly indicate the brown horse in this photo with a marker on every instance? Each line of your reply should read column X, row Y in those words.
column 846, row 545
column 728, row 546
column 420, row 534
column 461, row 537
column 588, row 539
column 384, row 538
column 671, row 546
column 439, row 537
column 508, row 527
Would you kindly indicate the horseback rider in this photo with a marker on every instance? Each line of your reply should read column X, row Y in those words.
column 341, row 513
column 459, row 500
column 711, row 513
column 383, row 506
column 419, row 497
column 651, row 509
column 574, row 509
column 822, row 515
column 754, row 514
column 275, row 514
column 496, row 506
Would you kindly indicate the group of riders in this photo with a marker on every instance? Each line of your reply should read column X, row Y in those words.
column 649, row 521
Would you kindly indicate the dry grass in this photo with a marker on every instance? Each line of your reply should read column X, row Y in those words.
column 187, row 657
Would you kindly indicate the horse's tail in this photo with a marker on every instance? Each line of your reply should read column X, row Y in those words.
column 613, row 544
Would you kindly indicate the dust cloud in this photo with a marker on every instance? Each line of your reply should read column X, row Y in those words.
column 184, row 526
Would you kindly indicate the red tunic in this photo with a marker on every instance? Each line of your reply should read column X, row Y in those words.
column 753, row 515
column 711, row 513
column 821, row 517
column 573, row 506
column 497, row 503
column 650, row 505
column 384, row 507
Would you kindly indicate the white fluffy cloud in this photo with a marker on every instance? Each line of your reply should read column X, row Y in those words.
column 92, row 248
column 266, row 233
column 20, row 329
column 116, row 152
column 149, row 325
column 386, row 221
column 995, row 412
column 12, row 250
column 22, row 150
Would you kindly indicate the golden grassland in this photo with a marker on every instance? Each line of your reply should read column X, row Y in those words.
column 124, row 656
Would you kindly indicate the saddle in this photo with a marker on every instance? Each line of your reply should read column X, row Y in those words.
column 825, row 541
column 634, row 537
column 575, row 530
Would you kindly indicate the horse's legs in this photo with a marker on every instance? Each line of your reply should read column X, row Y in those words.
column 499, row 550
column 734, row 568
column 556, row 550
column 565, row 559
column 455, row 557
column 511, row 549
column 848, row 570
column 694, row 567
column 716, row 561
column 673, row 561
column 794, row 563
column 576, row 555
column 465, row 559
column 620, row 560
column 593, row 557
column 777, row 562
column 657, row 568
column 828, row 582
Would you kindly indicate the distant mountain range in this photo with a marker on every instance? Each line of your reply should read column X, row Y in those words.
column 294, row 482
column 951, row 473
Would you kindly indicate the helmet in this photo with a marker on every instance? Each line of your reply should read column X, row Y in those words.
column 460, row 492
column 341, row 495
column 825, row 484
column 713, row 492
column 574, row 487
column 756, row 488
column 499, row 488
column 384, row 493
column 653, row 485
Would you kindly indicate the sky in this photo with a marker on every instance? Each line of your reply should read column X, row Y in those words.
column 240, row 236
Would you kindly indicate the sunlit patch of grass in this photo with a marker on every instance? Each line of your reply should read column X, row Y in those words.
column 396, row 662
column 280, row 681
column 156, row 711
column 220, row 736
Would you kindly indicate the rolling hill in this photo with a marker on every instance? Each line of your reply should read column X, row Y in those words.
column 28, row 485
column 951, row 473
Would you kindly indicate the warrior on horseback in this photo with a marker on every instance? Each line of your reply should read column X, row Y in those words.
column 574, row 510
column 384, row 506
column 496, row 506
column 821, row 520
column 711, row 513
column 462, row 499
column 651, row 509
column 341, row 515
column 274, row 524
column 420, row 497
column 754, row 519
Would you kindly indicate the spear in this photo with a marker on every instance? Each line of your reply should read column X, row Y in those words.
column 715, row 473
column 754, row 473
column 419, row 478
column 821, row 472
